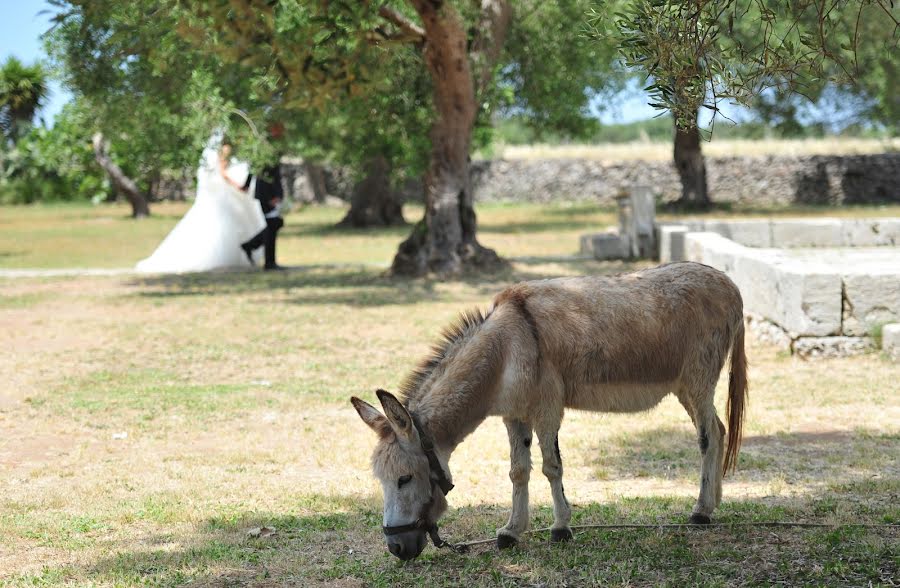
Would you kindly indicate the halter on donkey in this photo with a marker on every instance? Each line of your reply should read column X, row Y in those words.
column 603, row 344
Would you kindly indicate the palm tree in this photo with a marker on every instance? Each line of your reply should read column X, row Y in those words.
column 22, row 91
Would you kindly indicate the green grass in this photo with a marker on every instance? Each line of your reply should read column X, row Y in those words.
column 77, row 236
column 310, row 549
column 82, row 236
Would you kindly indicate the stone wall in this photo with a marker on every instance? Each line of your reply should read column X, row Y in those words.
column 763, row 181
column 747, row 180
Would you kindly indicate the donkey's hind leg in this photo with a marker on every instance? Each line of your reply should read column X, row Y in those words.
column 519, row 473
column 548, row 436
column 711, row 438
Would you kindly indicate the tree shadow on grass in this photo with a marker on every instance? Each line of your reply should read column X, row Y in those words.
column 355, row 285
column 399, row 232
column 358, row 285
column 814, row 458
column 343, row 546
column 565, row 222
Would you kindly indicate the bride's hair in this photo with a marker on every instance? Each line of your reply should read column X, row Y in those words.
column 226, row 142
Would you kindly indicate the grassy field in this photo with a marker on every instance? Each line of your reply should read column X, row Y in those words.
column 147, row 424
column 82, row 236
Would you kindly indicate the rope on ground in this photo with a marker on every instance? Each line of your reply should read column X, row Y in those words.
column 782, row 524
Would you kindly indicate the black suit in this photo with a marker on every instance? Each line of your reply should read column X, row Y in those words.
column 268, row 186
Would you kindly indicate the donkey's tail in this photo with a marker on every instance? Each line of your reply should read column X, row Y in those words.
column 737, row 399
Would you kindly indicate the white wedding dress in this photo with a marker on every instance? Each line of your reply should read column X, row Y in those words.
column 209, row 236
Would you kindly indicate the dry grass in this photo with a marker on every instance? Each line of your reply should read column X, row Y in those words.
column 716, row 148
column 148, row 423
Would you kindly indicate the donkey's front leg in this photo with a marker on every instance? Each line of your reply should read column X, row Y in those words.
column 519, row 472
column 562, row 512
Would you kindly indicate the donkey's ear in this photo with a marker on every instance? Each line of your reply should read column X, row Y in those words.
column 396, row 413
column 370, row 415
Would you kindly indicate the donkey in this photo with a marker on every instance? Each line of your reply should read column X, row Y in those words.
column 591, row 343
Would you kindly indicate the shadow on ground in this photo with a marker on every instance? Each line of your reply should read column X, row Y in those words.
column 798, row 457
column 357, row 285
column 343, row 546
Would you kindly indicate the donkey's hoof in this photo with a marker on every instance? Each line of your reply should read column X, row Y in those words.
column 699, row 519
column 506, row 541
column 560, row 535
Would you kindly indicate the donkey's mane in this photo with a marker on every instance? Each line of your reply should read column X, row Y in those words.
column 463, row 327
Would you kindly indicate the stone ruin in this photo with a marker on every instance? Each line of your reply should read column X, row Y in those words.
column 819, row 287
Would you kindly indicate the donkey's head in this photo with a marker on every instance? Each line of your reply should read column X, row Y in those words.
column 411, row 477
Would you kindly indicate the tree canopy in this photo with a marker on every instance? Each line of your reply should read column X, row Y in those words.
column 23, row 89
column 696, row 54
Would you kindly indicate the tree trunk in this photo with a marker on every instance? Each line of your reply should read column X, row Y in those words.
column 316, row 175
column 123, row 184
column 444, row 241
column 155, row 184
column 691, row 168
column 373, row 202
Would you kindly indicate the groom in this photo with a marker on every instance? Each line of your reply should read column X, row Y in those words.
column 270, row 195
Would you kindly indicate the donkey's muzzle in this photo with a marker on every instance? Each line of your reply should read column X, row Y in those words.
column 408, row 545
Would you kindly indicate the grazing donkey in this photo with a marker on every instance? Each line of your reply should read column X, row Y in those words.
column 594, row 343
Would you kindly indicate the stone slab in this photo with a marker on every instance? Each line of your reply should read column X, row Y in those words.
column 671, row 242
column 605, row 246
column 870, row 233
column 804, row 301
column 870, row 300
column 808, row 302
column 795, row 233
column 750, row 233
column 807, row 233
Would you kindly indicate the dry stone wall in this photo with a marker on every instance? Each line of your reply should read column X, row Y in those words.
column 762, row 181
column 770, row 180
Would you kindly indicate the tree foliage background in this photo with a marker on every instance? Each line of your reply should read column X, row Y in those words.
column 155, row 76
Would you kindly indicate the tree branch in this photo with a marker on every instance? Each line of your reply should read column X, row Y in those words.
column 123, row 183
column 488, row 42
column 404, row 24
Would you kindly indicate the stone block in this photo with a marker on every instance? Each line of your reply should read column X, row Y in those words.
column 870, row 300
column 604, row 246
column 808, row 303
column 756, row 279
column 586, row 244
column 750, row 233
column 807, row 233
column 693, row 225
column 870, row 233
column 671, row 242
column 890, row 341
column 803, row 301
column 714, row 250
column 889, row 231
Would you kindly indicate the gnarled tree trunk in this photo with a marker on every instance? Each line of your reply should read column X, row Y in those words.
column 691, row 168
column 374, row 203
column 444, row 241
column 123, row 184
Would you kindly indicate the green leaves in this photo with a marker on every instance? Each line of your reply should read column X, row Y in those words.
column 22, row 90
column 700, row 52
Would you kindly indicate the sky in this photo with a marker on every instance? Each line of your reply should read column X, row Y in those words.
column 21, row 27
column 20, row 31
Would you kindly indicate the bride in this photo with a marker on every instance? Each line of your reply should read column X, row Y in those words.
column 209, row 236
